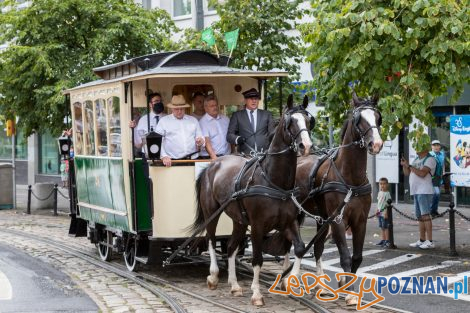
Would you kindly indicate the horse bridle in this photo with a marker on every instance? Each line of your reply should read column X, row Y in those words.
column 287, row 120
column 357, row 118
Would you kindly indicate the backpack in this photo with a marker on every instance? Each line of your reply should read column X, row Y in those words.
column 437, row 177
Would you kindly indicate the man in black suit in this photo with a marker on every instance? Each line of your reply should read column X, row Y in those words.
column 250, row 128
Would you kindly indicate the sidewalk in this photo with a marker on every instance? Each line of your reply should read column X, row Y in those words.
column 63, row 204
column 406, row 231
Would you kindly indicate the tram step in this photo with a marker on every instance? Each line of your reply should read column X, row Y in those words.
column 142, row 259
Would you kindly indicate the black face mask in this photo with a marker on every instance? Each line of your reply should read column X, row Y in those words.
column 158, row 108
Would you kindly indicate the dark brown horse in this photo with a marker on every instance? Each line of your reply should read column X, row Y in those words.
column 327, row 179
column 255, row 192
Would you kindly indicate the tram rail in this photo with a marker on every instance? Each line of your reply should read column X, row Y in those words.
column 148, row 281
column 88, row 254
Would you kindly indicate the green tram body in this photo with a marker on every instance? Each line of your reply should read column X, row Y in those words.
column 115, row 204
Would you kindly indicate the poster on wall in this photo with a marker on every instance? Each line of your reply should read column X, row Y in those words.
column 460, row 150
column 411, row 151
column 387, row 161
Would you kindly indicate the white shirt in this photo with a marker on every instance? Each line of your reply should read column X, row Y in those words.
column 198, row 117
column 255, row 114
column 216, row 129
column 422, row 185
column 141, row 129
column 179, row 136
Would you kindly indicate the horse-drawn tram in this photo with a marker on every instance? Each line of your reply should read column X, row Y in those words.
column 123, row 198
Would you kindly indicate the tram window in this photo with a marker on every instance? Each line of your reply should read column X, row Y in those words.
column 78, row 128
column 114, row 127
column 189, row 90
column 101, row 127
column 88, row 129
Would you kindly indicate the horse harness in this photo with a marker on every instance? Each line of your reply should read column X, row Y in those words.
column 271, row 191
column 335, row 186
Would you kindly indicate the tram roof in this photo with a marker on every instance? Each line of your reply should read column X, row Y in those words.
column 173, row 64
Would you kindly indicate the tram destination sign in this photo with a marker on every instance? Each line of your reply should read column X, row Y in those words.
column 386, row 162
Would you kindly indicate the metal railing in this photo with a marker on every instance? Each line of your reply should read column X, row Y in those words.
column 53, row 193
column 451, row 211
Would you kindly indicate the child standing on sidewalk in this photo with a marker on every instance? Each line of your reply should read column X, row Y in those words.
column 381, row 213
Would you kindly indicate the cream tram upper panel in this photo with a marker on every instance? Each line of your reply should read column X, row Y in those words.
column 98, row 91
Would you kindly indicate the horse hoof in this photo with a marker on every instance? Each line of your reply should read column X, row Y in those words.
column 212, row 283
column 237, row 292
column 351, row 300
column 257, row 301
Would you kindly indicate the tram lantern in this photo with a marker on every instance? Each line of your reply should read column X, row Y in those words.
column 153, row 145
column 65, row 144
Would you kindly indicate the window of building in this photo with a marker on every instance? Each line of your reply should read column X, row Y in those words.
column 21, row 144
column 89, row 129
column 101, row 127
column 210, row 8
column 49, row 157
column 181, row 8
column 147, row 4
column 114, row 127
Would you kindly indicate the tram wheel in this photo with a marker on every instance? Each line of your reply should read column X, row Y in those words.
column 129, row 256
column 104, row 246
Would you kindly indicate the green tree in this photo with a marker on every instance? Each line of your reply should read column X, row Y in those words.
column 407, row 51
column 266, row 40
column 55, row 44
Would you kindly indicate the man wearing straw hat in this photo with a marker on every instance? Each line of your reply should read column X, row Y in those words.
column 182, row 135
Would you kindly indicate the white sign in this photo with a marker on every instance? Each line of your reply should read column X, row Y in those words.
column 387, row 162
column 411, row 151
column 460, row 150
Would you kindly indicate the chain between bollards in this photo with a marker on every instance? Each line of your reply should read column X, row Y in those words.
column 452, row 251
column 390, row 224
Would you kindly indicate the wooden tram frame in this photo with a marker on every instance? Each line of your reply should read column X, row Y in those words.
column 113, row 201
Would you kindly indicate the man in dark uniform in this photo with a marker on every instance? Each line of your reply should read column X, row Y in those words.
column 250, row 128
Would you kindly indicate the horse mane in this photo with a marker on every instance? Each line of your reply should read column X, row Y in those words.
column 343, row 129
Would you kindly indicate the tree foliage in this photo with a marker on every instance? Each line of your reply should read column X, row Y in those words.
column 55, row 44
column 266, row 36
column 407, row 51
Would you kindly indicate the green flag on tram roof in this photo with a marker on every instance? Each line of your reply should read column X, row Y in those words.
column 231, row 39
column 208, row 36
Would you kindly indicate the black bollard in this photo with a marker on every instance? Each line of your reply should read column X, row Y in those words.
column 452, row 251
column 55, row 199
column 390, row 224
column 28, row 208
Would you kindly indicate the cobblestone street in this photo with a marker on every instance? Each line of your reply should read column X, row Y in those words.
column 110, row 292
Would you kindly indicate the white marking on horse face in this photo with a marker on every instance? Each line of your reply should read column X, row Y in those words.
column 304, row 135
column 377, row 143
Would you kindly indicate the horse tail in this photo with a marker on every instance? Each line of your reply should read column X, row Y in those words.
column 199, row 218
